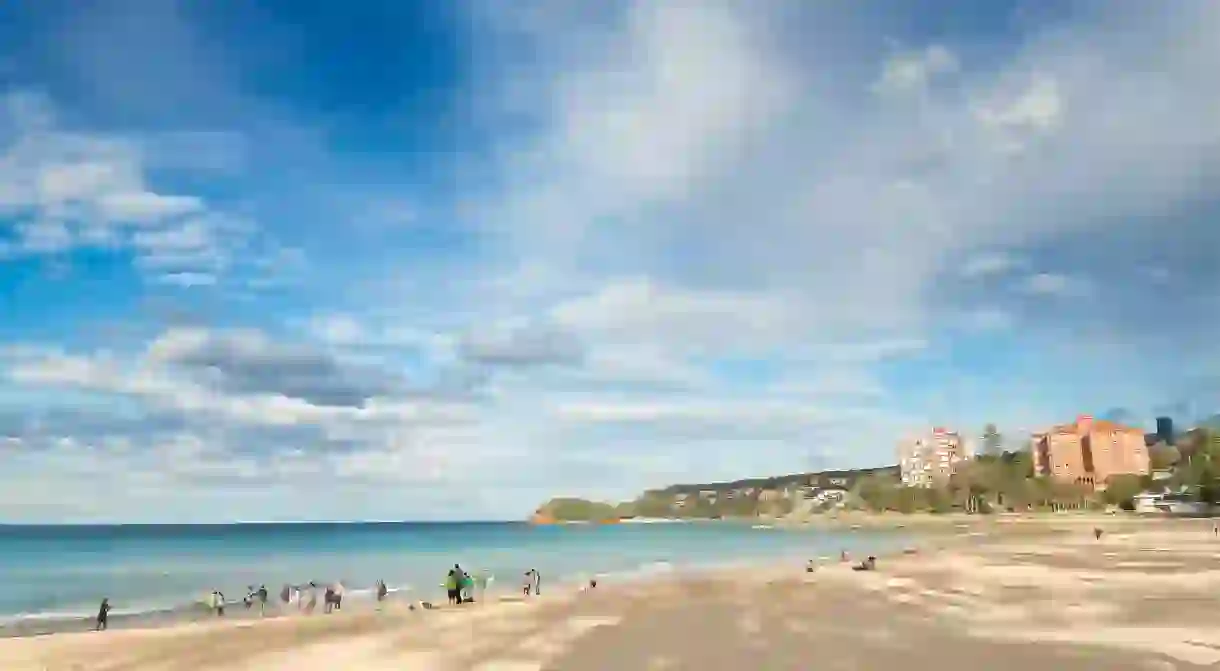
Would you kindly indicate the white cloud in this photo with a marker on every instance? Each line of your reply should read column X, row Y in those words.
column 988, row 264
column 639, row 311
column 914, row 71
column 1053, row 284
column 64, row 190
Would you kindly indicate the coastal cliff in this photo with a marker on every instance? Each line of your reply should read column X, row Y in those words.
column 771, row 497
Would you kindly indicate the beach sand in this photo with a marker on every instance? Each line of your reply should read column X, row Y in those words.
column 1020, row 595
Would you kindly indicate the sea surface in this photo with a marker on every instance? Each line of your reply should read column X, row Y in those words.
column 62, row 572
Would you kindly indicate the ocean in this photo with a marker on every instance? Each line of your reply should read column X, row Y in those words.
column 62, row 572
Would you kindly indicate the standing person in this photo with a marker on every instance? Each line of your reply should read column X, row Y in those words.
column 480, row 583
column 286, row 594
column 451, row 586
column 537, row 583
column 460, row 582
column 313, row 598
column 381, row 590
column 103, row 615
column 262, row 600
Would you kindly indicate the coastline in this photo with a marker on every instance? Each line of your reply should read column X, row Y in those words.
column 918, row 530
column 989, row 586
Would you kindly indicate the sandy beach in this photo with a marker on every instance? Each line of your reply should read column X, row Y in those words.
column 1015, row 595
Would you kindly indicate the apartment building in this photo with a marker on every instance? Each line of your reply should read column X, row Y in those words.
column 930, row 459
column 1089, row 451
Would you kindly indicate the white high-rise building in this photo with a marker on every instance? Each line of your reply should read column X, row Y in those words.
column 930, row 459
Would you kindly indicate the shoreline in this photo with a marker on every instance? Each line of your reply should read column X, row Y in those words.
column 973, row 589
column 196, row 615
column 923, row 532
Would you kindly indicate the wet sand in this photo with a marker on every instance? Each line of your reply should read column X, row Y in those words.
column 1144, row 597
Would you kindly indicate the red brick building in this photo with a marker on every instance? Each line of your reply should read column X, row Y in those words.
column 1089, row 452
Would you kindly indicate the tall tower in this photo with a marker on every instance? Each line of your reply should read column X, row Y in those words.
column 1164, row 430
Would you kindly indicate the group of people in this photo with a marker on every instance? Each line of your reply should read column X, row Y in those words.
column 460, row 585
column 533, row 581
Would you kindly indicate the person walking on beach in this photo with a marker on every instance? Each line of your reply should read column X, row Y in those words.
column 262, row 600
column 381, row 591
column 537, row 582
column 220, row 603
column 103, row 615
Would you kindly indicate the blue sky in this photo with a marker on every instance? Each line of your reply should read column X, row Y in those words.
column 445, row 260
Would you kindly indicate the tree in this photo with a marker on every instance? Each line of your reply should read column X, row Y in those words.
column 1162, row 456
column 1121, row 490
column 992, row 441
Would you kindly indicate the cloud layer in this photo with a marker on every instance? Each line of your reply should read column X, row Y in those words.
column 671, row 243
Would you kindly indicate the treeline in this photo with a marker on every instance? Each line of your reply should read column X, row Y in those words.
column 816, row 479
column 659, row 506
column 1007, row 482
column 984, row 484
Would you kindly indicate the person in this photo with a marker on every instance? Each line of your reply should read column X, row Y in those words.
column 869, row 564
column 103, row 615
column 810, row 566
column 262, row 600
column 451, row 587
column 1097, row 533
column 286, row 594
column 482, row 578
column 381, row 591
column 460, row 579
column 537, row 583
column 218, row 600
column 313, row 598
column 528, row 584
column 328, row 600
column 339, row 595
column 467, row 588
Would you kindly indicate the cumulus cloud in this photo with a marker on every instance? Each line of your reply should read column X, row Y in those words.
column 62, row 190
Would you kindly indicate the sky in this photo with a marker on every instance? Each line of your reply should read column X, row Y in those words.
column 308, row 260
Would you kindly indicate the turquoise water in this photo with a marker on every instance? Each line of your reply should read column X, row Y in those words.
column 63, row 571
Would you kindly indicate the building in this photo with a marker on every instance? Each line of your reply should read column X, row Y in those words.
column 1088, row 452
column 1164, row 430
column 930, row 459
